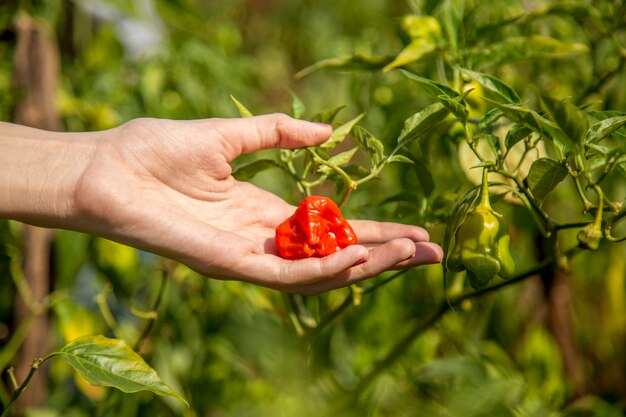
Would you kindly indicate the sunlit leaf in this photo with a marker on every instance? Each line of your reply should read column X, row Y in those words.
column 340, row 133
column 494, row 88
column 413, row 52
column 569, row 8
column 401, row 158
column 421, row 27
column 421, row 122
column 518, row 48
column 297, row 106
column 243, row 111
column 455, row 107
column 369, row 143
column 604, row 129
column 351, row 62
column 432, row 88
column 572, row 121
column 340, row 159
column 530, row 118
column 328, row 116
column 111, row 363
column 544, row 175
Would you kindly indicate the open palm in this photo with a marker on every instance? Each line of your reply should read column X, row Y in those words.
column 166, row 186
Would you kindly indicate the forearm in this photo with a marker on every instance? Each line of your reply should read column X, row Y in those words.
column 39, row 171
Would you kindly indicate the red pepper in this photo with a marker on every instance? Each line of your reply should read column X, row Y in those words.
column 317, row 228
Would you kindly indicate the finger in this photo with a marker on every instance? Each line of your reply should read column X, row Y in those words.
column 383, row 258
column 369, row 231
column 425, row 253
column 274, row 272
column 311, row 270
column 246, row 135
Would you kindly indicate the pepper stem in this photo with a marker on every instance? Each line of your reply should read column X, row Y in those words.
column 484, row 191
column 597, row 221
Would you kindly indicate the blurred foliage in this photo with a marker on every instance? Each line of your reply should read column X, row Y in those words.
column 238, row 350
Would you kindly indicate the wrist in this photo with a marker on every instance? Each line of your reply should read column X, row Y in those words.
column 39, row 171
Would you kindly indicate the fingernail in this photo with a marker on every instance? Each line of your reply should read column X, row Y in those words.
column 326, row 125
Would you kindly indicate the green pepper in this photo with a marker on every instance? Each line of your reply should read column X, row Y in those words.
column 482, row 243
column 589, row 237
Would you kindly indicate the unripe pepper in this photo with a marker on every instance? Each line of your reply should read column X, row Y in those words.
column 317, row 228
column 482, row 243
column 589, row 237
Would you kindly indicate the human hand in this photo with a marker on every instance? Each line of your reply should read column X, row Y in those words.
column 166, row 186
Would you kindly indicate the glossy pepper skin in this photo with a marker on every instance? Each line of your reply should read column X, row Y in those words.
column 317, row 228
column 482, row 244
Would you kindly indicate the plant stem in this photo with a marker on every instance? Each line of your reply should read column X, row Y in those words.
column 155, row 306
column 22, row 285
column 581, row 193
column 107, row 315
column 347, row 302
column 402, row 344
column 545, row 223
column 318, row 160
column 350, row 184
column 10, row 349
column 11, row 372
column 22, row 387
column 563, row 226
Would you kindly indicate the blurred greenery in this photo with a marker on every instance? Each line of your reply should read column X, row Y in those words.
column 234, row 349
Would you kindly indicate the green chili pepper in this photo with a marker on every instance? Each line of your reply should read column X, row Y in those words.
column 482, row 243
column 589, row 237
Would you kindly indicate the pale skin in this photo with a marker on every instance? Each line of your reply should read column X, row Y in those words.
column 166, row 187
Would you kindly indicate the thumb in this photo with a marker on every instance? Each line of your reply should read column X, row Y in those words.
column 246, row 135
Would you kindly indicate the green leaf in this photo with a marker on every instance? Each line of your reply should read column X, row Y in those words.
column 544, row 175
column 402, row 159
column 604, row 128
column 569, row 9
column 538, row 46
column 328, row 116
column 338, row 160
column 494, row 88
column 421, row 27
column 489, row 118
column 602, row 150
column 530, row 118
column 518, row 48
column 413, row 52
column 297, row 106
column 243, row 111
column 421, row 122
column 369, row 144
column 424, row 177
column 340, row 133
column 245, row 172
column 516, row 133
column 432, row 88
column 455, row 107
column 572, row 121
column 111, row 363
column 351, row 62
column 452, row 16
column 461, row 210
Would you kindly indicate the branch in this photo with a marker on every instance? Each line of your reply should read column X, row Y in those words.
column 22, row 387
column 401, row 345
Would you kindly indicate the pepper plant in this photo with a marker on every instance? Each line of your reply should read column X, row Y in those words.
column 499, row 126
